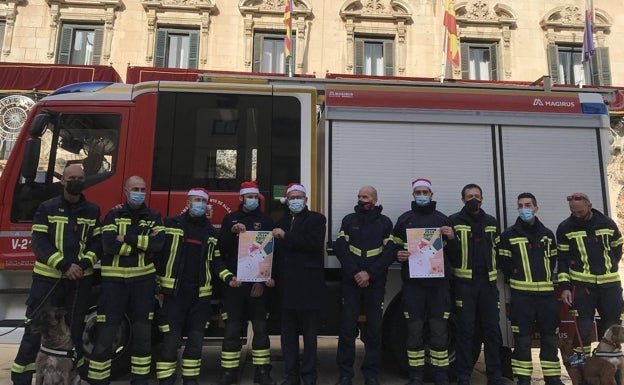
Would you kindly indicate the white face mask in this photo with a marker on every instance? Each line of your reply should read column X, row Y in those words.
column 296, row 205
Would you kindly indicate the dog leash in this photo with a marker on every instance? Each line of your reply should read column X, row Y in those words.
column 576, row 360
column 34, row 313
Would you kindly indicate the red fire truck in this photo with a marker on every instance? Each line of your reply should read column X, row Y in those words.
column 333, row 135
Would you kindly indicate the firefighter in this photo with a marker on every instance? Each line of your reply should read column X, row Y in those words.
column 131, row 234
column 66, row 244
column 300, row 238
column 364, row 248
column 527, row 257
column 474, row 287
column 426, row 296
column 184, row 277
column 589, row 252
column 243, row 299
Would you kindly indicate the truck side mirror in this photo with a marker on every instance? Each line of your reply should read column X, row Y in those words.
column 39, row 124
column 30, row 162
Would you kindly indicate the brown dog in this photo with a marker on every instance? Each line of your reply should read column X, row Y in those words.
column 54, row 362
column 596, row 371
column 610, row 348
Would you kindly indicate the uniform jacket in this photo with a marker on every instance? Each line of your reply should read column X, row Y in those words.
column 421, row 217
column 226, row 265
column 144, row 236
column 527, row 255
column 365, row 243
column 475, row 237
column 64, row 233
column 171, row 260
column 300, row 259
column 589, row 251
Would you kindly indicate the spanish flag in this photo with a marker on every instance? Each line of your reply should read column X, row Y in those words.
column 452, row 39
column 288, row 23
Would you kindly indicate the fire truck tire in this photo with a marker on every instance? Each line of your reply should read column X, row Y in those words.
column 121, row 345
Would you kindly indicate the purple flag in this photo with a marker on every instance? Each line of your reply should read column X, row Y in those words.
column 589, row 49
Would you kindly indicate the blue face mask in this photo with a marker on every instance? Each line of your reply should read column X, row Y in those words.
column 251, row 204
column 526, row 214
column 422, row 200
column 136, row 198
column 296, row 205
column 197, row 209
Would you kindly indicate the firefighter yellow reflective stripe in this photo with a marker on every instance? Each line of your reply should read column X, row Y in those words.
column 99, row 370
column 369, row 253
column 40, row 228
column 54, row 259
column 60, row 223
column 462, row 233
column 342, row 234
column 100, row 318
column 563, row 247
column 446, row 315
column 563, row 277
column 17, row 368
column 398, row 241
column 522, row 368
column 140, row 364
column 127, row 272
column 97, row 231
column 45, row 270
column 541, row 286
column 617, row 242
column 515, row 329
column 579, row 238
column 504, row 253
column 261, row 356
column 492, row 274
column 521, row 243
column 595, row 279
column 125, row 250
column 416, row 357
column 165, row 369
column 551, row 368
column 230, row 360
column 439, row 357
column 164, row 328
column 205, row 291
column 462, row 273
column 142, row 241
column 175, row 243
column 224, row 274
column 459, row 303
column 190, row 367
column 167, row 283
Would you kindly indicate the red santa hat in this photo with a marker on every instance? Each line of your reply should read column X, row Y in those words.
column 293, row 187
column 250, row 187
column 199, row 192
column 422, row 182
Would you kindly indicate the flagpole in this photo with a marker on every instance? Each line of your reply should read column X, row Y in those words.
column 443, row 73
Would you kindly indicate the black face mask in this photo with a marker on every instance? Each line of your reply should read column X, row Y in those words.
column 365, row 205
column 472, row 205
column 74, row 187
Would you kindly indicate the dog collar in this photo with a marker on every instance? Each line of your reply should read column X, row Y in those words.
column 610, row 343
column 617, row 353
column 59, row 353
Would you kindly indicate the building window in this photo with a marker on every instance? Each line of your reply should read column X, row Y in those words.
column 374, row 56
column 268, row 52
column 566, row 66
column 2, row 26
column 479, row 61
column 80, row 44
column 176, row 48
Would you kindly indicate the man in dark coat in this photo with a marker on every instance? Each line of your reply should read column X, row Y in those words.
column 300, row 236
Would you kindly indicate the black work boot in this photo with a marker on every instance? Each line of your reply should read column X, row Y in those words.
column 524, row 380
column 228, row 377
column 553, row 380
column 167, row 380
column 416, row 375
column 263, row 375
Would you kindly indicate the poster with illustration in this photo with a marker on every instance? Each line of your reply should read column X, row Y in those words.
column 426, row 258
column 255, row 256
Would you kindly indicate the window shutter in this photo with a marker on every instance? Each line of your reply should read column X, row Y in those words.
column 359, row 56
column 64, row 48
column 465, row 60
column 98, row 38
column 161, row 48
column 388, row 57
column 494, row 61
column 553, row 63
column 257, row 52
column 601, row 67
column 2, row 25
column 193, row 49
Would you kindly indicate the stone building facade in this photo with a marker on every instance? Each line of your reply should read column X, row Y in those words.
column 503, row 40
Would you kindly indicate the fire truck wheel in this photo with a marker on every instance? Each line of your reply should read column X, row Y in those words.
column 121, row 345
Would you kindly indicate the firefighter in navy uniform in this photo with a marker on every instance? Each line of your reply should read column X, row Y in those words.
column 66, row 244
column 474, row 287
column 527, row 257
column 589, row 251
column 131, row 234
column 184, row 277
column 365, row 251
column 425, row 299
column 242, row 300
